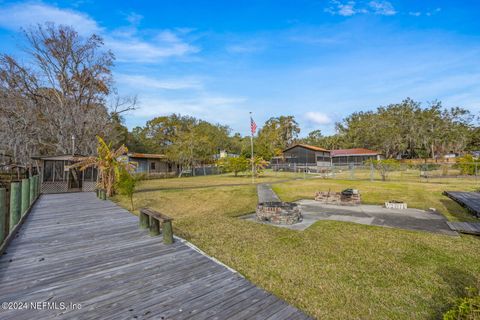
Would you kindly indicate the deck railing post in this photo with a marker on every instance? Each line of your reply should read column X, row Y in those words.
column 32, row 189
column 14, row 204
column 25, row 195
column 167, row 232
column 3, row 213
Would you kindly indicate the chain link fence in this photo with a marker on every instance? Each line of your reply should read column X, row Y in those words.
column 397, row 172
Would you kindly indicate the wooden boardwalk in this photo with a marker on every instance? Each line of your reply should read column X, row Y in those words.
column 470, row 200
column 465, row 227
column 77, row 249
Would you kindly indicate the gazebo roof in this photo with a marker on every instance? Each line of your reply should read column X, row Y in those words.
column 62, row 157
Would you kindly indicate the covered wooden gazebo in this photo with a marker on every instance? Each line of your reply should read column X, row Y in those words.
column 58, row 174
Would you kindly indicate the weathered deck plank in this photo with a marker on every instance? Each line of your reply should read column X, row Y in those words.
column 469, row 200
column 465, row 227
column 76, row 248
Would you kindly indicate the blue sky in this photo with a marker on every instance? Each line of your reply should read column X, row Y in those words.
column 316, row 60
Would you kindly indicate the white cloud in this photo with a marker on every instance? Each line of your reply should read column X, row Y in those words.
column 210, row 107
column 130, row 47
column 426, row 13
column 318, row 118
column 433, row 12
column 345, row 9
column 134, row 18
column 383, row 8
column 350, row 8
column 143, row 82
column 126, row 43
column 21, row 15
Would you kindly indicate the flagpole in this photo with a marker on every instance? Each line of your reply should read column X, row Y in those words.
column 251, row 145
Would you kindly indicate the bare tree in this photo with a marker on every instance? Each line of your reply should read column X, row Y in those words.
column 61, row 92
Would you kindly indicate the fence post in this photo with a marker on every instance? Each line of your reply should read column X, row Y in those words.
column 3, row 213
column 25, row 195
column 32, row 189
column 14, row 204
column 371, row 171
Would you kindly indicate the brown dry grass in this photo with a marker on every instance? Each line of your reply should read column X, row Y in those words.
column 332, row 270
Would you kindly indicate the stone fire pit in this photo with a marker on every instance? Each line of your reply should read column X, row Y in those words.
column 279, row 212
column 348, row 197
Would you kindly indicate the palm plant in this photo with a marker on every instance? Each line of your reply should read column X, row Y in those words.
column 259, row 165
column 108, row 163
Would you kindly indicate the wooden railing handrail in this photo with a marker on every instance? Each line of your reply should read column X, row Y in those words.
column 15, row 205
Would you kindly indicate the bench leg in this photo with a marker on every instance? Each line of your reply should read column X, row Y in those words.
column 143, row 220
column 154, row 227
column 167, row 232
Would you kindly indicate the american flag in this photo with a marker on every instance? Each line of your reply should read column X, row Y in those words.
column 253, row 126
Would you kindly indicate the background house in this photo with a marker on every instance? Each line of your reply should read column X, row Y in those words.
column 153, row 165
column 301, row 156
column 224, row 154
column 355, row 157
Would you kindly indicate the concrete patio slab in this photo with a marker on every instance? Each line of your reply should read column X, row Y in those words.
column 408, row 219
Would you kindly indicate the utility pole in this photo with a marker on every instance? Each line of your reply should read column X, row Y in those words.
column 73, row 145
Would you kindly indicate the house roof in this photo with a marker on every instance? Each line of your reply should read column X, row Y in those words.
column 146, row 155
column 306, row 146
column 353, row 152
column 60, row 157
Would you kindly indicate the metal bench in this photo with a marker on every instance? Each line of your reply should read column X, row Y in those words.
column 152, row 219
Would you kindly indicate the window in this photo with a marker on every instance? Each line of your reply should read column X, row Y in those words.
column 48, row 171
column 325, row 158
column 152, row 165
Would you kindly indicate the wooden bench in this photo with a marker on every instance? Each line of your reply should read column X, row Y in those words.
column 152, row 219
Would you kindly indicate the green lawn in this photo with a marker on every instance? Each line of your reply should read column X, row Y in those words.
column 332, row 270
column 217, row 180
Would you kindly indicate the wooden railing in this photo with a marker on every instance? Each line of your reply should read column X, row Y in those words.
column 16, row 201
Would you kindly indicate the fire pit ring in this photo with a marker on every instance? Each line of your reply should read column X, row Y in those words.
column 279, row 212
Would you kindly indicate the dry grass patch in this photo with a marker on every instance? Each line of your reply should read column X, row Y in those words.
column 216, row 180
column 332, row 270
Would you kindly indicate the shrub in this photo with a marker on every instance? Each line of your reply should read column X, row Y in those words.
column 259, row 164
column 126, row 183
column 233, row 164
column 467, row 308
column 467, row 164
column 385, row 166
